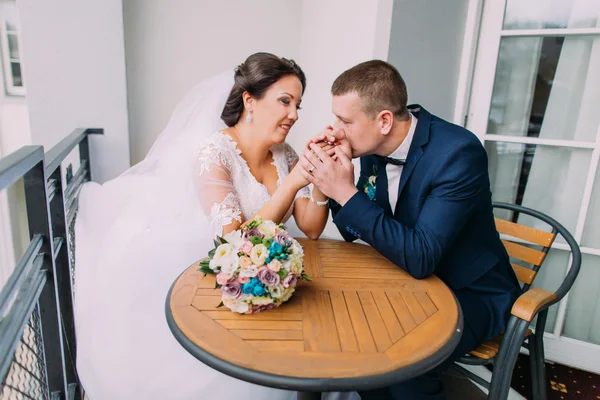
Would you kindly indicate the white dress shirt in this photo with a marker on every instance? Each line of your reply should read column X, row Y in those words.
column 395, row 171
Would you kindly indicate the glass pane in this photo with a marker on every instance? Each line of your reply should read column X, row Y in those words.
column 547, row 87
column 583, row 307
column 16, row 74
column 551, row 275
column 591, row 230
column 11, row 18
column 13, row 47
column 551, row 14
column 545, row 178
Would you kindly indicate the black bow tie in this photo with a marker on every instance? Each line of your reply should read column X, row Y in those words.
column 393, row 161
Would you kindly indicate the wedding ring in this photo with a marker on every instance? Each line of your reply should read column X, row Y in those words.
column 311, row 170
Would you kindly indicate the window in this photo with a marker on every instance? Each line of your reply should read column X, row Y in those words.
column 534, row 103
column 11, row 50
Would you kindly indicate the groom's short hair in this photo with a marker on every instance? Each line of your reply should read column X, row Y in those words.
column 379, row 86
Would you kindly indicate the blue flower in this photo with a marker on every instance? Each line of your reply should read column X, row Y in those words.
column 371, row 192
column 248, row 287
column 254, row 281
column 258, row 290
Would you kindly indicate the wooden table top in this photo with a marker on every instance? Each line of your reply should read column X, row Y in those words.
column 361, row 316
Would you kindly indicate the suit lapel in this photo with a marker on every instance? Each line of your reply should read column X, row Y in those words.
column 381, row 187
column 420, row 139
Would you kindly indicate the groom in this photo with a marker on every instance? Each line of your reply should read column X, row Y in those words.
column 422, row 200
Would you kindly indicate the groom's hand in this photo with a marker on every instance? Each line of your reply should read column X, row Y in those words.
column 335, row 137
column 334, row 178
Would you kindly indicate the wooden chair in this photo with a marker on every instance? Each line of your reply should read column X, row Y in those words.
column 528, row 248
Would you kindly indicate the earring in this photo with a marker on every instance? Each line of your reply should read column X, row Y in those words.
column 249, row 117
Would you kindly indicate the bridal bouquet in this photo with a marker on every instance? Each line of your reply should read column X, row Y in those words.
column 257, row 266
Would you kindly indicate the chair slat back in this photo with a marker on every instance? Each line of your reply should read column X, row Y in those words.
column 523, row 252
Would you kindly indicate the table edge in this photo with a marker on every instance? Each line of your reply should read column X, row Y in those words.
column 365, row 382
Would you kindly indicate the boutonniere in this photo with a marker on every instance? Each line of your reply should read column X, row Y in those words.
column 370, row 188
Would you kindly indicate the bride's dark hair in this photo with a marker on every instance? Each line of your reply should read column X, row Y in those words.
column 255, row 76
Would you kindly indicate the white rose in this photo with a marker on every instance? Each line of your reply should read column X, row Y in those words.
column 372, row 180
column 287, row 293
column 276, row 291
column 297, row 249
column 259, row 254
column 226, row 257
column 236, row 305
column 235, row 238
column 295, row 265
column 262, row 300
column 249, row 272
column 267, row 228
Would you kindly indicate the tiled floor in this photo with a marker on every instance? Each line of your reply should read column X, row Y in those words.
column 564, row 383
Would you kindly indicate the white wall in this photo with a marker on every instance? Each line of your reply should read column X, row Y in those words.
column 170, row 49
column 425, row 45
column 74, row 66
column 336, row 35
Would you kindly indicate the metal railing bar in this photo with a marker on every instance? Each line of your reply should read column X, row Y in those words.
column 20, row 273
column 58, row 242
column 13, row 324
column 16, row 164
column 57, row 154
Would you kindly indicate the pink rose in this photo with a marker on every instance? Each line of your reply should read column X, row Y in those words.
column 222, row 278
column 246, row 247
column 243, row 279
column 268, row 277
column 232, row 290
column 245, row 262
column 290, row 280
column 274, row 265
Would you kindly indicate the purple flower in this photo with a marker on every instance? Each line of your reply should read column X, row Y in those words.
column 253, row 232
column 232, row 290
column 290, row 280
column 282, row 238
column 268, row 277
column 256, row 308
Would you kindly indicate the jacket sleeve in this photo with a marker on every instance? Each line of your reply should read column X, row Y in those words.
column 458, row 183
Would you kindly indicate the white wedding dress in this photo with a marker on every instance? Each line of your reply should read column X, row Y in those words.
column 135, row 234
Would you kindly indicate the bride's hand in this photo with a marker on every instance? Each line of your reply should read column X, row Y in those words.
column 298, row 181
column 329, row 139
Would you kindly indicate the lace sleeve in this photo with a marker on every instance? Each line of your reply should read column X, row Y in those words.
column 291, row 157
column 213, row 185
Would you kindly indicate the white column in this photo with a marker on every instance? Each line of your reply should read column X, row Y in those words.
column 335, row 36
column 74, row 68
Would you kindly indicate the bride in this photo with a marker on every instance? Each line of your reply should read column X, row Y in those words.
column 221, row 160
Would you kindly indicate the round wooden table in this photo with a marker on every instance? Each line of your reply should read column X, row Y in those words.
column 362, row 323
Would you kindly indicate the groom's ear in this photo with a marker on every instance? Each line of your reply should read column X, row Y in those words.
column 385, row 119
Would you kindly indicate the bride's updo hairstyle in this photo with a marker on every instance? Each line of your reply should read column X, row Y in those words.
column 255, row 76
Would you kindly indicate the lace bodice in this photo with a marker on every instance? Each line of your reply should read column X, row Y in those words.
column 226, row 187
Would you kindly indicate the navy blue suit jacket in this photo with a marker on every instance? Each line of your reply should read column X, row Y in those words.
column 443, row 222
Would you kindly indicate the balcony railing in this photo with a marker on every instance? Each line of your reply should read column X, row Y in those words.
column 37, row 330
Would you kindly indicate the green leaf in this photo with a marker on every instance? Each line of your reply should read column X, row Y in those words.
column 204, row 263
column 305, row 277
column 211, row 253
column 267, row 242
column 217, row 286
column 220, row 305
column 216, row 242
column 282, row 273
column 282, row 226
column 254, row 223
column 206, row 270
column 223, row 241
column 255, row 240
